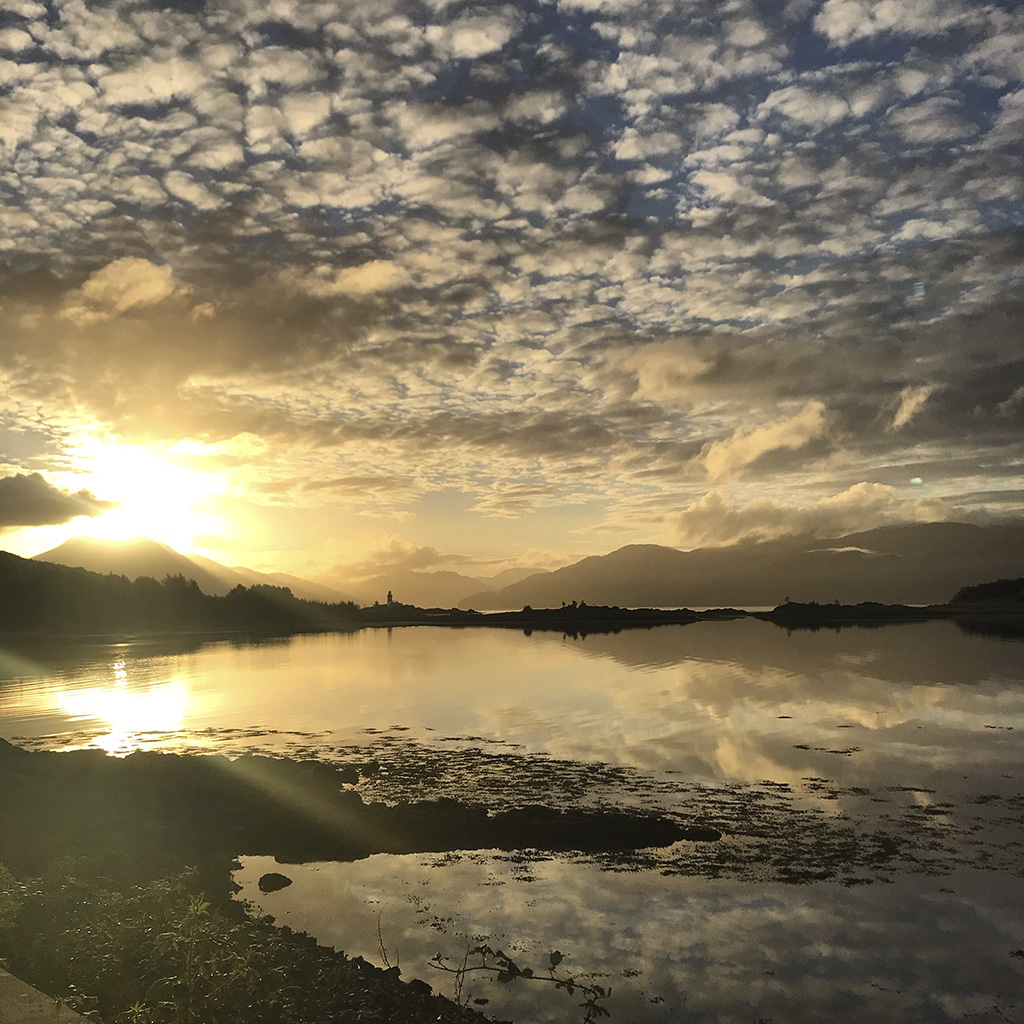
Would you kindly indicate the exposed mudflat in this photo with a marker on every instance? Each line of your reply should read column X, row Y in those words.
column 150, row 810
column 395, row 794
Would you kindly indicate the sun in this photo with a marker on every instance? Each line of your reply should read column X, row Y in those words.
column 161, row 494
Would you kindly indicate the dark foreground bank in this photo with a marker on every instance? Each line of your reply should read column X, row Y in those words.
column 90, row 840
column 161, row 954
column 153, row 813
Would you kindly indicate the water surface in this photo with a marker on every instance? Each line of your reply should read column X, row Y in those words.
column 880, row 767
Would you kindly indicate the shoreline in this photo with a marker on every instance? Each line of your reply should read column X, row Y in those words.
column 581, row 620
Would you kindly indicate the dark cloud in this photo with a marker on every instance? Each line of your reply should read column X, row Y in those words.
column 30, row 500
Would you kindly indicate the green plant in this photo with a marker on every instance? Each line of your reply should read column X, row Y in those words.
column 11, row 899
column 212, row 968
column 161, row 954
column 503, row 968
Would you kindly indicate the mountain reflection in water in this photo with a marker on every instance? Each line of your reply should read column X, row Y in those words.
column 717, row 701
column 886, row 759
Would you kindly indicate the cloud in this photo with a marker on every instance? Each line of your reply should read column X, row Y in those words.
column 911, row 401
column 474, row 35
column 511, row 500
column 846, row 21
column 813, row 107
column 663, row 371
column 530, row 252
column 124, row 284
column 724, row 458
column 325, row 282
column 27, row 499
column 394, row 555
column 1012, row 405
column 716, row 520
column 150, row 80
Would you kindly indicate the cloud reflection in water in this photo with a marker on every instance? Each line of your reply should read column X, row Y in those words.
column 675, row 950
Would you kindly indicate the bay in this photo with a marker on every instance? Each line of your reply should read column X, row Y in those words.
column 868, row 783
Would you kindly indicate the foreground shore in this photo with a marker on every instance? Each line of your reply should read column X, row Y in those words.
column 110, row 836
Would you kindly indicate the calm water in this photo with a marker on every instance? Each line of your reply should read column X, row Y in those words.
column 807, row 750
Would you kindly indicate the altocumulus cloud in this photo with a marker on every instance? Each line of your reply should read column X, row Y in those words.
column 587, row 252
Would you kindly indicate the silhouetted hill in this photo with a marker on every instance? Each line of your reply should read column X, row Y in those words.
column 441, row 589
column 1004, row 592
column 308, row 590
column 132, row 558
column 43, row 597
column 916, row 563
column 144, row 557
column 232, row 576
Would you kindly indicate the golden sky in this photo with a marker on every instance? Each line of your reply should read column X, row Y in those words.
column 335, row 287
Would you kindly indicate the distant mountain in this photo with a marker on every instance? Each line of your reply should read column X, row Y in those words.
column 915, row 563
column 425, row 589
column 144, row 557
column 507, row 577
column 441, row 589
column 308, row 590
column 234, row 575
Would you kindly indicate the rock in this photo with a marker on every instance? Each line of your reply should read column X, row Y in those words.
column 274, row 880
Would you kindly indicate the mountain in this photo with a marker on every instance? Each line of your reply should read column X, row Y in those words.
column 231, row 576
column 507, row 577
column 426, row 589
column 144, row 557
column 308, row 590
column 441, row 589
column 917, row 563
column 44, row 597
column 132, row 558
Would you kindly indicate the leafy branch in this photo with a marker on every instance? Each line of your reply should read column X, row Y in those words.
column 503, row 968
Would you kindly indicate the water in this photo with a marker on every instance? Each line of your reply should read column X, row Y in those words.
column 882, row 768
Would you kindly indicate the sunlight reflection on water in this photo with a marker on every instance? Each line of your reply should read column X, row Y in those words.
column 718, row 701
column 124, row 711
column 911, row 734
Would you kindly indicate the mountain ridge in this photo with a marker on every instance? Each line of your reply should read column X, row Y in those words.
column 918, row 563
column 915, row 563
column 142, row 556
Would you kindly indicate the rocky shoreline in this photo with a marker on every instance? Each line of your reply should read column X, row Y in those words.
column 152, row 813
column 122, row 823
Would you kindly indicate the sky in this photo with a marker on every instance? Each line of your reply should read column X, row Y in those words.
column 341, row 287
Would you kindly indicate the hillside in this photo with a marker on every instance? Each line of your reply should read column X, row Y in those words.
column 144, row 557
column 910, row 564
column 40, row 596
column 231, row 576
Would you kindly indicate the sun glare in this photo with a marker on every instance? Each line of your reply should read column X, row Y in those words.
column 160, row 494
column 124, row 711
